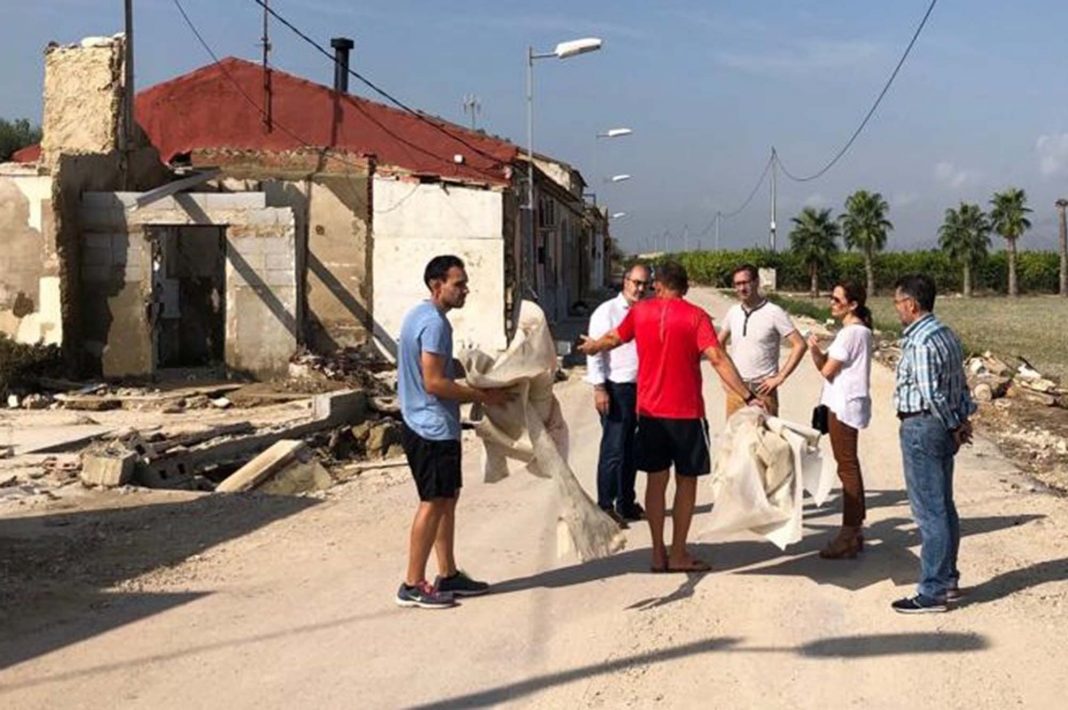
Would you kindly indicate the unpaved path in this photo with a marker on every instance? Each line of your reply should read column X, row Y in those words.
column 287, row 603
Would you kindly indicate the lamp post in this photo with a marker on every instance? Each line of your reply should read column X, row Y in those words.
column 563, row 50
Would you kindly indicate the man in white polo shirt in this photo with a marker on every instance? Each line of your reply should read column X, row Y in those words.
column 754, row 330
column 615, row 395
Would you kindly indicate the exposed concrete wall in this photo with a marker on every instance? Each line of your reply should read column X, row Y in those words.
column 414, row 222
column 261, row 282
column 330, row 196
column 29, row 266
column 82, row 100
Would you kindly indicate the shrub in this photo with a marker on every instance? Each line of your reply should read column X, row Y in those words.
column 21, row 364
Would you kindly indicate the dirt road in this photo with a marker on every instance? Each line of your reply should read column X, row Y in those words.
column 256, row 602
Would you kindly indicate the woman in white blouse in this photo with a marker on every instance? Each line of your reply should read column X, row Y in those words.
column 846, row 369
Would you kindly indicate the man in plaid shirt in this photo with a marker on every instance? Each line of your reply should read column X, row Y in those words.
column 933, row 404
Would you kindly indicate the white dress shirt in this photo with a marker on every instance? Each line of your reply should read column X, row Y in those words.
column 619, row 364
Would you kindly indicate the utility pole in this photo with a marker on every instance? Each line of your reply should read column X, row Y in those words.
column 719, row 217
column 128, row 95
column 774, row 166
column 686, row 237
column 265, row 42
column 473, row 106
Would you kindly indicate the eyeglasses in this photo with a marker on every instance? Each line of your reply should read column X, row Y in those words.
column 835, row 299
column 903, row 299
column 639, row 283
column 743, row 283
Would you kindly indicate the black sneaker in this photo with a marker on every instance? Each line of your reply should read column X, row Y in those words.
column 461, row 585
column 955, row 594
column 919, row 604
column 423, row 596
column 632, row 513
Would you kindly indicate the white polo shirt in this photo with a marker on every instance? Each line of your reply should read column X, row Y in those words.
column 756, row 338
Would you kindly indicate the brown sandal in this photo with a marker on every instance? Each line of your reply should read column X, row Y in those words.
column 845, row 546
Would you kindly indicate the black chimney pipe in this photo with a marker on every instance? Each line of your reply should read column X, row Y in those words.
column 342, row 46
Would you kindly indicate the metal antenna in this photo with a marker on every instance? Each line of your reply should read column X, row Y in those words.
column 472, row 105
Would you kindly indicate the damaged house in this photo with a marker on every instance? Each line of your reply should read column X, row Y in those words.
column 252, row 213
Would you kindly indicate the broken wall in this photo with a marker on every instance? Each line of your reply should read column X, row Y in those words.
column 116, row 272
column 413, row 222
column 330, row 196
column 29, row 266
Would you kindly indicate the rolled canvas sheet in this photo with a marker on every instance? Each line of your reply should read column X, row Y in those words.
column 531, row 429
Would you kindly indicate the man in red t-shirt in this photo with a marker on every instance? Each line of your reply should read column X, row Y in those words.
column 671, row 335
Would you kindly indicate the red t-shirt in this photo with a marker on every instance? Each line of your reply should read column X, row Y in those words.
column 671, row 334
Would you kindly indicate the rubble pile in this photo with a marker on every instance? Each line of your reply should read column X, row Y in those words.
column 990, row 378
column 363, row 368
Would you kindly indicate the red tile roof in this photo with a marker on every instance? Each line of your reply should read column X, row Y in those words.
column 206, row 109
column 29, row 154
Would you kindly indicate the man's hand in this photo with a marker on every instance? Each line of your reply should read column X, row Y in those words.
column 588, row 345
column 813, row 341
column 601, row 400
column 496, row 397
column 769, row 385
column 962, row 435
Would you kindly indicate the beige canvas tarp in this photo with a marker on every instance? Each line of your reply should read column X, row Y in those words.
column 532, row 429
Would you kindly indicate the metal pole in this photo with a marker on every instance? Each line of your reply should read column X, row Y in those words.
column 530, row 160
column 128, row 82
column 774, row 160
column 718, row 216
column 266, row 41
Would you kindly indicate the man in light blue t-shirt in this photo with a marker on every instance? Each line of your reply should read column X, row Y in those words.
column 430, row 401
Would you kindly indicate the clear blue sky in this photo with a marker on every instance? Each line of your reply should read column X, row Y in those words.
column 707, row 87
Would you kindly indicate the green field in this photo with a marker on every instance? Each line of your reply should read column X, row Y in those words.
column 1034, row 327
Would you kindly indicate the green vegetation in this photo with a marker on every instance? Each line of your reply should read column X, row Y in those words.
column 1009, row 327
column 21, row 364
column 1009, row 219
column 814, row 241
column 16, row 134
column 865, row 228
column 965, row 237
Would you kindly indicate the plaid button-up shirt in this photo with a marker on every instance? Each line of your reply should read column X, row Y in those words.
column 930, row 375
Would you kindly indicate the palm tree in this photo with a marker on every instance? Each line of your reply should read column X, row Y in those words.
column 865, row 226
column 1008, row 218
column 814, row 238
column 965, row 237
column 1060, row 205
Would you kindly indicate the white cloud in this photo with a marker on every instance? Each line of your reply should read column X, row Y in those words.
column 953, row 176
column 1052, row 154
column 817, row 200
column 804, row 57
column 903, row 199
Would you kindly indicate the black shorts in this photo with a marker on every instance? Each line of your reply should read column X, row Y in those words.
column 661, row 443
column 435, row 465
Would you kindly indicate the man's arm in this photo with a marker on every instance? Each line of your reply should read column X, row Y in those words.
column 439, row 384
column 929, row 366
column 728, row 373
column 797, row 351
column 592, row 346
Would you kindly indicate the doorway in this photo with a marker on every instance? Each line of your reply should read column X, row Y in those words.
column 188, row 309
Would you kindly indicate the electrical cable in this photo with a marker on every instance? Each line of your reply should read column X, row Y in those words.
column 752, row 194
column 871, row 111
column 377, row 89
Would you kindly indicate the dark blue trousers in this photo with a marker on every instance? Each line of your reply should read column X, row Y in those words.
column 616, row 469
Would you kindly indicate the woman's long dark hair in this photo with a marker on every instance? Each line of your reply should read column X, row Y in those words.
column 855, row 293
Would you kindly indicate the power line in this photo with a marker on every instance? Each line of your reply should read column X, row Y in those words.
column 752, row 193
column 377, row 89
column 871, row 111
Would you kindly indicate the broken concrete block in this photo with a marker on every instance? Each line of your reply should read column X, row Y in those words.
column 108, row 469
column 287, row 467
column 383, row 435
column 13, row 401
column 341, row 407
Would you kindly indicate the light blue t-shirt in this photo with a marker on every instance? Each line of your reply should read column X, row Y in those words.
column 426, row 329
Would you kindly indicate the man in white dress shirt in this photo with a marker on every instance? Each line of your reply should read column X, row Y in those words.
column 613, row 375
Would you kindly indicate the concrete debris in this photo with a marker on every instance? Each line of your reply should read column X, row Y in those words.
column 109, row 468
column 36, row 401
column 286, row 468
column 363, row 368
column 13, row 401
column 7, row 452
column 221, row 403
column 990, row 379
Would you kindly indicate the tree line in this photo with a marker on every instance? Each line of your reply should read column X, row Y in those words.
column 964, row 235
column 15, row 135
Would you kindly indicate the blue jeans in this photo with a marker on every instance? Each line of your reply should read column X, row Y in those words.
column 927, row 452
column 616, row 468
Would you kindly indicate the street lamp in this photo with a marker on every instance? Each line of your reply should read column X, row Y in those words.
column 618, row 215
column 617, row 178
column 615, row 133
column 564, row 50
